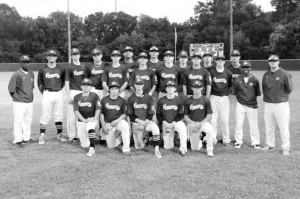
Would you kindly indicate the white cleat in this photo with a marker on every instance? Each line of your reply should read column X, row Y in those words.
column 91, row 152
column 61, row 138
column 157, row 154
column 42, row 139
column 210, row 154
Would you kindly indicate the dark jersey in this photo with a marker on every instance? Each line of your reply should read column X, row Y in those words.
column 140, row 107
column 130, row 68
column 112, row 109
column 51, row 78
column 119, row 74
column 221, row 82
column 95, row 72
column 147, row 75
column 236, row 72
column 165, row 74
column 277, row 86
column 190, row 75
column 154, row 66
column 75, row 74
column 179, row 89
column 246, row 93
column 22, row 84
column 87, row 105
column 168, row 109
column 197, row 109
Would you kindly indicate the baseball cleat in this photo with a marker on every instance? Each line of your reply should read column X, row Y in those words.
column 285, row 152
column 200, row 145
column 91, row 152
column 237, row 146
column 182, row 153
column 267, row 148
column 61, row 138
column 42, row 139
column 18, row 144
column 74, row 140
column 256, row 146
column 210, row 154
column 227, row 145
column 157, row 154
column 126, row 153
column 28, row 141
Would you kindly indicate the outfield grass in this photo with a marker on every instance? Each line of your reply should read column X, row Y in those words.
column 62, row 170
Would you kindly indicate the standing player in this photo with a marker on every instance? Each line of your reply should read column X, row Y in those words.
column 221, row 82
column 115, row 128
column 153, row 63
column 196, row 72
column 74, row 77
column 116, row 72
column 197, row 114
column 183, row 58
column 207, row 61
column 20, row 88
column 140, row 112
column 169, row 113
column 51, row 79
column 246, row 88
column 87, row 110
column 277, row 85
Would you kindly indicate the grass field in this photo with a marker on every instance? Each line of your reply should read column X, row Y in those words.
column 62, row 170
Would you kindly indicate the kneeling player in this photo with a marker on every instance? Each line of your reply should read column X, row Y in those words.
column 115, row 129
column 87, row 109
column 197, row 114
column 169, row 113
column 140, row 112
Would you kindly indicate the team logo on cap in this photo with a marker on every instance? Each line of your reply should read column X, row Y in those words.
column 26, row 57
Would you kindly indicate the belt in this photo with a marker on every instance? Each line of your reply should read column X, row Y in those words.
column 52, row 90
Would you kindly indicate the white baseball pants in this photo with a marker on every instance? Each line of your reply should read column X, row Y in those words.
column 139, row 132
column 195, row 136
column 168, row 136
column 83, row 129
column 22, row 121
column 52, row 100
column 71, row 117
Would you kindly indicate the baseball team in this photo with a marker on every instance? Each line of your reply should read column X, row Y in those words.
column 150, row 101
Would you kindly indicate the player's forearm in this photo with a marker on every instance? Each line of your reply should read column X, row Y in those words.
column 208, row 90
column 122, row 117
column 67, row 87
column 184, row 90
column 102, row 121
column 206, row 119
column 152, row 89
column 105, row 87
column 132, row 89
column 188, row 120
column 97, row 114
column 123, row 87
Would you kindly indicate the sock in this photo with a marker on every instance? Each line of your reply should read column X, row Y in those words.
column 156, row 140
column 92, row 136
column 58, row 127
column 42, row 128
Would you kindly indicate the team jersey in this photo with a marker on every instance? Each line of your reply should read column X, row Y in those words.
column 22, row 84
column 165, row 74
column 140, row 106
column 179, row 89
column 221, row 82
column 112, row 109
column 277, row 86
column 147, row 75
column 119, row 74
column 236, row 72
column 190, row 75
column 86, row 105
column 95, row 72
column 130, row 68
column 75, row 74
column 197, row 109
column 52, row 79
column 246, row 93
column 154, row 66
column 169, row 109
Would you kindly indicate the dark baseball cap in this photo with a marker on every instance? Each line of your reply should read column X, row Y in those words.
column 170, row 83
column 153, row 49
column 114, row 84
column 128, row 48
column 87, row 81
column 139, row 81
column 273, row 58
column 115, row 52
column 183, row 53
column 197, row 54
column 51, row 52
column 235, row 53
column 24, row 58
column 220, row 57
column 143, row 54
column 96, row 51
column 197, row 84
column 75, row 51
column 207, row 53
column 246, row 64
column 169, row 52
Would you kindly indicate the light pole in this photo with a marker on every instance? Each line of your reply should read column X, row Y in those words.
column 231, row 27
column 69, row 35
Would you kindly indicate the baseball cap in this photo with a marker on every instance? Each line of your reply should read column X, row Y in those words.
column 220, row 57
column 114, row 84
column 273, row 58
column 128, row 48
column 153, row 48
column 235, row 53
column 51, row 52
column 246, row 63
column 169, row 52
column 139, row 81
column 87, row 81
column 143, row 54
column 197, row 54
column 170, row 83
column 183, row 53
column 207, row 53
column 24, row 58
column 75, row 51
column 96, row 51
column 197, row 83
column 115, row 52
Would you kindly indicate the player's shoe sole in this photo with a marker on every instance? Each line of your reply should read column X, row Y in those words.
column 157, row 154
column 91, row 152
column 267, row 148
column 210, row 154
column 42, row 139
column 237, row 146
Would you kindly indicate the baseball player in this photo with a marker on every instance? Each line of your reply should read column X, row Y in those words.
column 74, row 77
column 197, row 114
column 51, row 79
column 207, row 61
column 116, row 72
column 246, row 88
column 140, row 112
column 196, row 72
column 169, row 113
column 20, row 88
column 154, row 62
column 221, row 82
column 113, row 115
column 277, row 85
column 183, row 58
column 87, row 109
column 167, row 72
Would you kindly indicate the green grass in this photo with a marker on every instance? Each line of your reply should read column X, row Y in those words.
column 62, row 170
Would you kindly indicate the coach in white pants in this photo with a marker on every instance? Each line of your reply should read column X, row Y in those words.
column 276, row 86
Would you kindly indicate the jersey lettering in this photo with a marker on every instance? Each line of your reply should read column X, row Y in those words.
column 194, row 107
column 95, row 72
column 164, row 75
column 222, row 80
column 135, row 105
column 195, row 76
column 174, row 107
column 118, row 75
column 77, row 73
column 235, row 75
column 112, row 106
column 82, row 104
column 130, row 70
column 142, row 77
column 55, row 75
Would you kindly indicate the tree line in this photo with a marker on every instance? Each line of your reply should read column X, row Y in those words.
column 256, row 33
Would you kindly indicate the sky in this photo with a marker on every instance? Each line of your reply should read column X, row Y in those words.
column 175, row 10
